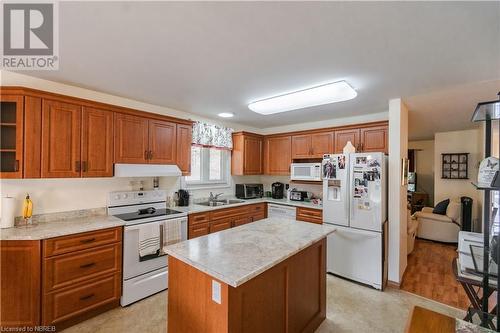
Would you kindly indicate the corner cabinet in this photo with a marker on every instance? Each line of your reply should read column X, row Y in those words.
column 277, row 155
column 246, row 156
column 11, row 136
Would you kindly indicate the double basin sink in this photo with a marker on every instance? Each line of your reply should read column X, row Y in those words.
column 221, row 202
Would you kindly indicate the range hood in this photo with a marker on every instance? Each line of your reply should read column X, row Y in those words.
column 147, row 170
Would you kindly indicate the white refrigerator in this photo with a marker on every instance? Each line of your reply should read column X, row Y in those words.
column 355, row 201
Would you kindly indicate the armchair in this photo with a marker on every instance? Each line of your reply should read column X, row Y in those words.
column 437, row 227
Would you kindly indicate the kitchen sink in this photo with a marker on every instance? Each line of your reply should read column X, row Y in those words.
column 220, row 202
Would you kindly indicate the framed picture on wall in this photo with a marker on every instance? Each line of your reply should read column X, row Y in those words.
column 455, row 166
column 404, row 171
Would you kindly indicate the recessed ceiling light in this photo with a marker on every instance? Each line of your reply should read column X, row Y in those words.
column 226, row 115
column 324, row 94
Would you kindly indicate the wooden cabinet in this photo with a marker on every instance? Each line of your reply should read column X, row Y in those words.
column 162, row 142
column 374, row 139
column 20, row 283
column 97, row 143
column 200, row 224
column 343, row 136
column 364, row 139
column 277, row 155
column 184, row 141
column 142, row 140
column 312, row 145
column 32, row 167
column 246, row 156
column 61, row 135
column 131, row 139
column 11, row 136
column 312, row 215
column 81, row 276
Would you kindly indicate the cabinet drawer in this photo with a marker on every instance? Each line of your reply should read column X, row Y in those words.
column 221, row 225
column 227, row 212
column 67, row 269
column 241, row 221
column 257, row 208
column 65, row 244
column 199, row 218
column 309, row 215
column 197, row 230
column 70, row 303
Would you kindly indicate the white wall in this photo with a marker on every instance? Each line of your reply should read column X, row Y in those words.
column 466, row 141
column 398, row 149
column 424, row 153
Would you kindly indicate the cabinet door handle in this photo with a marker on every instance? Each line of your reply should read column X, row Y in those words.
column 83, row 298
column 87, row 265
column 84, row 166
column 16, row 166
column 146, row 155
column 88, row 240
column 150, row 154
column 78, row 166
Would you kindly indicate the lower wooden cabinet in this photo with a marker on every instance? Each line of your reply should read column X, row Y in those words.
column 20, row 283
column 310, row 215
column 82, row 277
column 200, row 224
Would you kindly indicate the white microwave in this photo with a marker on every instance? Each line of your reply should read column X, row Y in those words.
column 305, row 171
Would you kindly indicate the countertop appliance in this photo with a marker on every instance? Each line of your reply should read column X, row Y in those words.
column 145, row 213
column 278, row 190
column 281, row 211
column 183, row 198
column 298, row 195
column 355, row 201
column 305, row 171
column 249, row 191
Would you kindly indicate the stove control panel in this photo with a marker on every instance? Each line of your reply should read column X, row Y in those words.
column 135, row 197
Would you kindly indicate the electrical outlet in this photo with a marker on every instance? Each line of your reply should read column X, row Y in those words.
column 216, row 292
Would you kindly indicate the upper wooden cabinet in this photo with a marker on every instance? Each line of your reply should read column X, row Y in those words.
column 162, row 142
column 11, row 136
column 364, row 139
column 97, row 143
column 277, row 155
column 246, row 157
column 312, row 145
column 343, row 136
column 184, row 140
column 374, row 139
column 131, row 139
column 61, row 130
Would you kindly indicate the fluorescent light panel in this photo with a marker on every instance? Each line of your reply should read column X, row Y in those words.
column 325, row 94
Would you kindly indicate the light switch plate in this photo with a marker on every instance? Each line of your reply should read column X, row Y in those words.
column 216, row 292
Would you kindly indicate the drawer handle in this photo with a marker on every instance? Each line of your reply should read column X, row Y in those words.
column 83, row 298
column 88, row 240
column 88, row 265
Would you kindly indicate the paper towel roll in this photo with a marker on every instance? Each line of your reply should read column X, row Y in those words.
column 8, row 212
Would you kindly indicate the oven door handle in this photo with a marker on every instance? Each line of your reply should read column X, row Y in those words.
column 162, row 239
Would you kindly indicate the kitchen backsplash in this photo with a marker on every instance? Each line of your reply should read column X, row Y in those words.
column 60, row 195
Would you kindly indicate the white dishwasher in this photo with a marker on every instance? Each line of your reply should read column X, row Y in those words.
column 281, row 211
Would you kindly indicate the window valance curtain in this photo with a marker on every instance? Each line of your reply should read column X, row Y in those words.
column 210, row 135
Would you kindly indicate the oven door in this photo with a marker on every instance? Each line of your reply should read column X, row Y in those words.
column 132, row 266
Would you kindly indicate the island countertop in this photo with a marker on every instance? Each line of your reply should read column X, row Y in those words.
column 237, row 255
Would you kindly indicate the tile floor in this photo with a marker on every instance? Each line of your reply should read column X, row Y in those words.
column 350, row 308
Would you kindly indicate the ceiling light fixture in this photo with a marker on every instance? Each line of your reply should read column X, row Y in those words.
column 226, row 115
column 324, row 94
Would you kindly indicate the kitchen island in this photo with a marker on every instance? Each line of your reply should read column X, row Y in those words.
column 266, row 276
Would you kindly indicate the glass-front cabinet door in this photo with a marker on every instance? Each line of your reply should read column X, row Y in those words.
column 11, row 136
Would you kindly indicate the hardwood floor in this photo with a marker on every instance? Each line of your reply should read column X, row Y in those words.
column 429, row 274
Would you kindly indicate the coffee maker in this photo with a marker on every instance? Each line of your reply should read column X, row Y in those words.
column 278, row 190
column 183, row 198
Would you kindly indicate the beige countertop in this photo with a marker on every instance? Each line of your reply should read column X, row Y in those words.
column 237, row 255
column 63, row 227
column 196, row 208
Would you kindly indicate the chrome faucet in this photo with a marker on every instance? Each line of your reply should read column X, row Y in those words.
column 214, row 197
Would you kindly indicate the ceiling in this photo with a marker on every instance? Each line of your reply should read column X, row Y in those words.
column 211, row 57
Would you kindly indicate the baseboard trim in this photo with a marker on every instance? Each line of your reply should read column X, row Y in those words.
column 392, row 284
